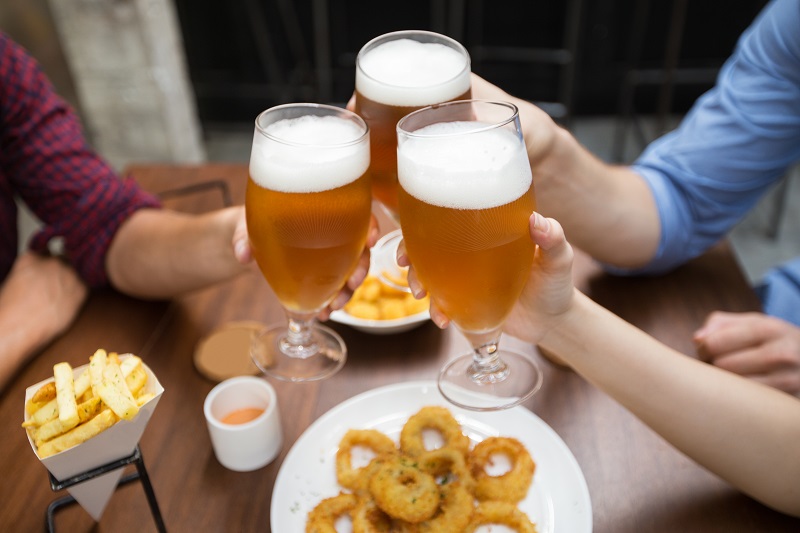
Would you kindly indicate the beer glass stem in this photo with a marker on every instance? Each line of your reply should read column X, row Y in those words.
column 487, row 367
column 299, row 341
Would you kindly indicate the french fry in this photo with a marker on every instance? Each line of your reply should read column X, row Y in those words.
column 144, row 398
column 47, row 412
column 136, row 380
column 67, row 411
column 374, row 300
column 78, row 434
column 65, row 395
column 115, row 394
column 129, row 364
column 41, row 414
column 97, row 363
column 31, row 406
column 54, row 428
column 45, row 393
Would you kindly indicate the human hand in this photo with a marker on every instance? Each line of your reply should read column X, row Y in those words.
column 548, row 294
column 758, row 346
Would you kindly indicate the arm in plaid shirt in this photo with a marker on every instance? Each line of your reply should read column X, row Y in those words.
column 46, row 162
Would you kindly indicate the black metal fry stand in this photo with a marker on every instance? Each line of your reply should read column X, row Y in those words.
column 140, row 474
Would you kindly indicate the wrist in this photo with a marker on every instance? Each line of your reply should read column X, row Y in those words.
column 562, row 336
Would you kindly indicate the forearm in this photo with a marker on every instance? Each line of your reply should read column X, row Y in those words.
column 162, row 253
column 38, row 300
column 744, row 432
column 606, row 210
column 19, row 340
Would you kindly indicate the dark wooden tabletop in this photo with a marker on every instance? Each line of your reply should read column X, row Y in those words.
column 637, row 482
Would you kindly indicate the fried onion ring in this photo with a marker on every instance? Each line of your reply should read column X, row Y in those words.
column 322, row 518
column 454, row 514
column 512, row 486
column 354, row 478
column 448, row 466
column 500, row 513
column 432, row 417
column 404, row 491
column 368, row 518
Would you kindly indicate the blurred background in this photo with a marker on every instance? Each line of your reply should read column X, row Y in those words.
column 182, row 80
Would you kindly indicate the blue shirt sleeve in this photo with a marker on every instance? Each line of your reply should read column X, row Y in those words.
column 737, row 140
column 780, row 292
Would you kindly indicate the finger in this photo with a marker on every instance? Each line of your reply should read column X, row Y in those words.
column 351, row 103
column 374, row 231
column 360, row 272
column 415, row 285
column 342, row 298
column 402, row 257
column 556, row 253
column 713, row 322
column 241, row 240
column 438, row 317
column 735, row 334
column 749, row 362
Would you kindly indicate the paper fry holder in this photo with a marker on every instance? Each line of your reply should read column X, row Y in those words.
column 91, row 471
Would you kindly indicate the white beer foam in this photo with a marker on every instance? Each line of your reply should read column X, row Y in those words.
column 479, row 170
column 408, row 73
column 315, row 161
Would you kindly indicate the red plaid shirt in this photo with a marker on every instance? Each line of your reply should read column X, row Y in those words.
column 46, row 162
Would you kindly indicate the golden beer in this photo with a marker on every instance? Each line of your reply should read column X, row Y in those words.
column 308, row 203
column 474, row 262
column 464, row 203
column 396, row 74
column 307, row 244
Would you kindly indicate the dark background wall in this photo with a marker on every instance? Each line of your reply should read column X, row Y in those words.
column 247, row 55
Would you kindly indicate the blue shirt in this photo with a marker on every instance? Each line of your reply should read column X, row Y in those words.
column 737, row 141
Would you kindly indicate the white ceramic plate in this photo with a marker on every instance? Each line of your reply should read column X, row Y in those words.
column 381, row 327
column 558, row 500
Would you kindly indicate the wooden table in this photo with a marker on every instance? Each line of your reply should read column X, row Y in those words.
column 638, row 483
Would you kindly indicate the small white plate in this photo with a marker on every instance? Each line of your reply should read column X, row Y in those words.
column 381, row 327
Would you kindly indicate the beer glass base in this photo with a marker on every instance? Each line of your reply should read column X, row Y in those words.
column 321, row 358
column 464, row 386
column 384, row 255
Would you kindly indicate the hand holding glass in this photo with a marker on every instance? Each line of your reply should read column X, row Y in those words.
column 465, row 199
column 308, row 207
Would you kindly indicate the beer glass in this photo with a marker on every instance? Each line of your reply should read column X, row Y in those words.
column 466, row 195
column 398, row 73
column 307, row 207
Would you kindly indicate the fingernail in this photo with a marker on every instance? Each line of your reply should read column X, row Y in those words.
column 239, row 249
column 540, row 223
column 402, row 259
